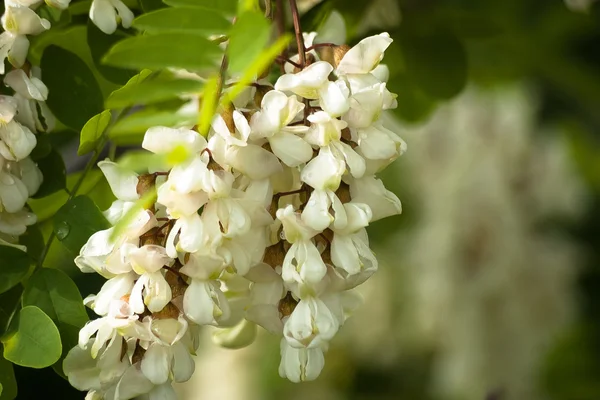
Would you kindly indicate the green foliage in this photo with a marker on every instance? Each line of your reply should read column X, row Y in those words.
column 15, row 265
column 92, row 132
column 247, row 38
column 8, row 382
column 74, row 95
column 55, row 174
column 36, row 341
column 34, row 240
column 9, row 301
column 152, row 91
column 189, row 51
column 227, row 7
column 151, row 5
column 57, row 295
column 99, row 43
column 183, row 19
column 76, row 221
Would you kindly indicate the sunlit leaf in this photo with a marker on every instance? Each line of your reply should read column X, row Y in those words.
column 247, row 38
column 36, row 342
column 181, row 50
column 99, row 43
column 227, row 7
column 152, row 91
column 92, row 131
column 183, row 19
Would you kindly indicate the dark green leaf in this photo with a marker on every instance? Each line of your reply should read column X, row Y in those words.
column 151, row 5
column 100, row 43
column 152, row 91
column 76, row 221
column 34, row 240
column 55, row 174
column 74, row 95
column 247, row 38
column 312, row 20
column 36, row 342
column 189, row 51
column 57, row 295
column 42, row 148
column 8, row 381
column 436, row 61
column 183, row 19
column 92, row 131
column 227, row 7
column 9, row 304
column 15, row 265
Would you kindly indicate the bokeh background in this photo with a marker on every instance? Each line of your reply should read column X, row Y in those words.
column 489, row 282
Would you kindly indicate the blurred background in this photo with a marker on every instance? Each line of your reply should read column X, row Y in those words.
column 489, row 282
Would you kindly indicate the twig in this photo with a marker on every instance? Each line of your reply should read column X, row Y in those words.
column 287, row 60
column 318, row 45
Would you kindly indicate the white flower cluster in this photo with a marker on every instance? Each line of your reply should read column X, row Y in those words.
column 21, row 116
column 262, row 223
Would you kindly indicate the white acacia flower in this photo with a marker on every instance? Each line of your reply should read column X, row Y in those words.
column 163, row 140
column 16, row 141
column 272, row 122
column 365, row 56
column 379, row 143
column 18, row 22
column 299, row 365
column 30, row 175
column 15, row 224
column 13, row 193
column 8, row 108
column 370, row 191
column 266, row 291
column 313, row 83
column 105, row 14
column 311, row 324
column 302, row 264
column 204, row 303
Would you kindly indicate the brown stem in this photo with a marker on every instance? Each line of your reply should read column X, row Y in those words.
column 298, row 32
column 287, row 60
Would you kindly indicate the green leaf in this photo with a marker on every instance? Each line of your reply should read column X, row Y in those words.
column 42, row 148
column 152, row 91
column 130, row 130
column 15, row 265
column 57, row 295
column 55, row 174
column 436, row 61
column 183, row 19
column 258, row 65
column 178, row 50
column 151, row 5
column 76, row 221
column 100, row 43
column 92, row 131
column 48, row 206
column 9, row 303
column 36, row 342
column 247, row 38
column 34, row 240
column 74, row 95
column 8, row 381
column 227, row 7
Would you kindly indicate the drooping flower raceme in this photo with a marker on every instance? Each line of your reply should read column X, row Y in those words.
column 22, row 116
column 260, row 223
